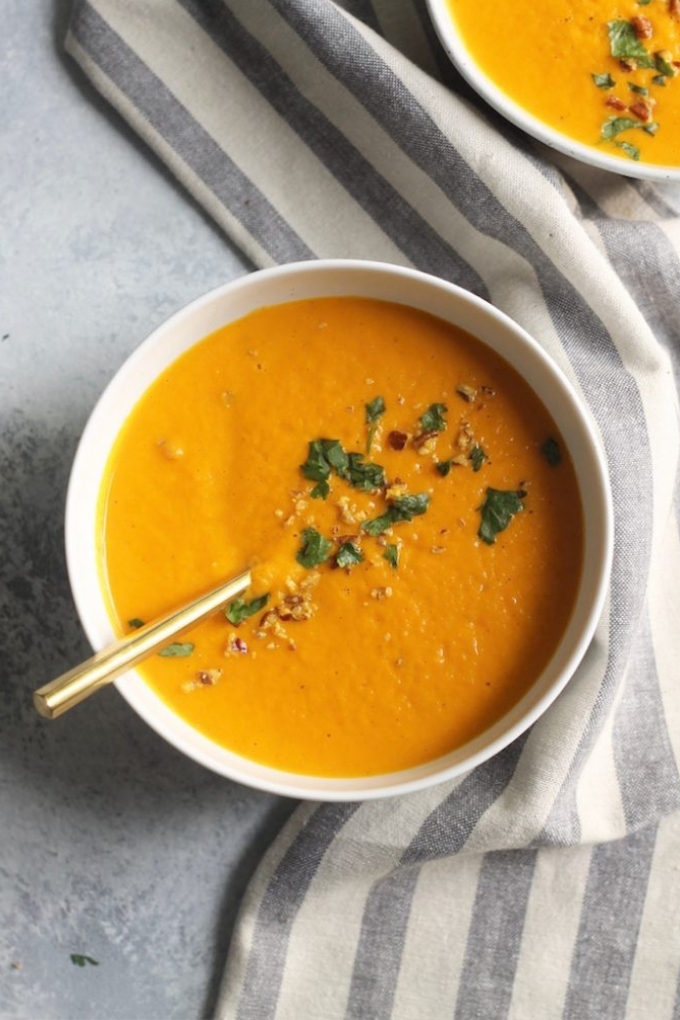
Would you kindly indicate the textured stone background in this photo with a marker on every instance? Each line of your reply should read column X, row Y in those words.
column 111, row 844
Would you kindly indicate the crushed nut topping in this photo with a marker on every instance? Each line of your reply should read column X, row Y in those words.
column 642, row 27
column 643, row 109
column 468, row 393
column 615, row 103
column 381, row 593
column 426, row 442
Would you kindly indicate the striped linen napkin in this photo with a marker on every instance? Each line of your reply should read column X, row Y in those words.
column 544, row 884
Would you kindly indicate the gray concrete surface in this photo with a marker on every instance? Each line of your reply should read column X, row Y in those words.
column 111, row 844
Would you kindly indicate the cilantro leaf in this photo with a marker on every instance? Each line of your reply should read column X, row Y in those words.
column 374, row 410
column 551, row 451
column 348, row 555
column 443, row 467
column 391, row 554
column 625, row 45
column 630, row 150
column 603, row 81
column 639, row 90
column 433, row 419
column 651, row 128
column 366, row 476
column 477, row 457
column 497, row 511
column 615, row 125
column 315, row 548
column 79, row 960
column 320, row 490
column 135, row 622
column 323, row 456
column 177, row 650
column 239, row 610
column 663, row 66
column 404, row 508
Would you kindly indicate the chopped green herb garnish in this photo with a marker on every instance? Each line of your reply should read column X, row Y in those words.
column 551, row 451
column 663, row 66
column 366, row 476
column 374, row 410
column 323, row 456
column 348, row 555
column 315, row 549
column 79, row 960
column 625, row 45
column 391, row 554
column 603, row 81
column 177, row 650
column 433, row 419
column 643, row 3
column 477, row 457
column 498, row 509
column 651, row 128
column 659, row 79
column 630, row 150
column 239, row 610
column 443, row 467
column 615, row 125
column 639, row 90
column 404, row 508
column 320, row 490
column 135, row 622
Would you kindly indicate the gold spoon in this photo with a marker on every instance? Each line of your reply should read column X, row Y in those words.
column 79, row 683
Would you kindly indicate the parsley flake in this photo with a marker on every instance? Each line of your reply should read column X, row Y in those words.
column 374, row 410
column 348, row 555
column 477, row 457
column 177, row 650
column 433, row 419
column 603, row 81
column 315, row 549
column 391, row 554
column 239, row 610
column 79, row 960
column 135, row 622
column 551, row 451
column 497, row 511
column 625, row 45
column 630, row 150
column 404, row 508
column 615, row 125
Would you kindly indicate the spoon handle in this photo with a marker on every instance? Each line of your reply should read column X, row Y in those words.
column 78, row 683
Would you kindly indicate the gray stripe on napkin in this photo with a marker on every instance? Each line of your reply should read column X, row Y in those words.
column 443, row 833
column 286, row 891
column 397, row 219
column 190, row 141
column 610, row 920
column 645, row 763
column 495, row 934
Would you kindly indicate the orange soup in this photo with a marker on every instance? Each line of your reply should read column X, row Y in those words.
column 409, row 512
column 602, row 72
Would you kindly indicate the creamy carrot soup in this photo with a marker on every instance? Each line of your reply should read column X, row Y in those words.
column 603, row 72
column 408, row 509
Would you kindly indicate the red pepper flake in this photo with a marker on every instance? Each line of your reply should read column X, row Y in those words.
column 397, row 440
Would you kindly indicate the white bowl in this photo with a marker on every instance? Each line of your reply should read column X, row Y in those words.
column 445, row 28
column 322, row 279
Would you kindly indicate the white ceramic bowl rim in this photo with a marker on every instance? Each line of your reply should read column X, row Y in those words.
column 316, row 279
column 453, row 44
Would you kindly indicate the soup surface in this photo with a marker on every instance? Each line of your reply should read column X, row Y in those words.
column 602, row 72
column 409, row 512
